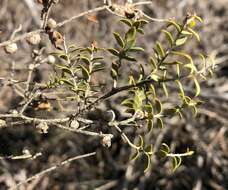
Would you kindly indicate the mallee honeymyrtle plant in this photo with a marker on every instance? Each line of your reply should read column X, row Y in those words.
column 147, row 88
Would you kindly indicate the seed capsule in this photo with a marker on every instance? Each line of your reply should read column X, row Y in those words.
column 51, row 23
column 34, row 39
column 56, row 39
column 51, row 59
column 106, row 141
column 11, row 48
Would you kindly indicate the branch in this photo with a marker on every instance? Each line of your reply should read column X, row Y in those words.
column 56, row 123
column 48, row 170
column 38, row 120
column 60, row 24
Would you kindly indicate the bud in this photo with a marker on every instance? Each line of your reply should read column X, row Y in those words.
column 42, row 127
column 2, row 123
column 51, row 23
column 31, row 66
column 51, row 59
column 129, row 11
column 11, row 48
column 56, row 39
column 74, row 124
column 139, row 114
column 26, row 152
column 14, row 112
column 107, row 141
column 34, row 39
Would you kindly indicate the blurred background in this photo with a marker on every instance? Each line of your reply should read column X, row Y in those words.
column 207, row 134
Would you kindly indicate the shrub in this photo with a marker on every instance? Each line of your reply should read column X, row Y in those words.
column 149, row 92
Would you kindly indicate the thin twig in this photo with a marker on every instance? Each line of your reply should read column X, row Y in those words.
column 108, row 185
column 47, row 14
column 60, row 24
column 48, row 170
column 16, row 31
column 34, row 11
column 33, row 95
column 24, row 156
column 98, row 9
column 38, row 120
column 56, row 123
column 79, row 131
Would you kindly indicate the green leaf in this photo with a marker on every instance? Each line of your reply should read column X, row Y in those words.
column 97, row 59
column 97, row 69
column 141, row 142
column 191, row 67
column 194, row 33
column 187, row 33
column 140, row 23
column 97, row 65
column 140, row 30
column 129, row 58
column 131, row 34
column 149, row 108
column 64, row 56
column 150, row 124
column 136, row 49
column 198, row 18
column 119, row 40
column 178, row 70
column 165, row 148
column 172, row 63
column 135, row 156
column 128, row 103
column 165, row 89
column 197, row 87
column 169, row 37
column 68, row 82
column 64, row 68
column 160, row 49
column 160, row 123
column 185, row 55
column 114, row 73
column 153, row 63
column 176, row 162
column 194, row 110
column 85, row 60
column 126, row 21
column 181, row 41
column 129, row 44
column 158, row 106
column 113, row 51
column 175, row 24
column 148, row 163
column 137, row 24
column 85, row 71
column 152, row 91
column 180, row 88
column 149, row 149
column 180, row 114
column 154, row 77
